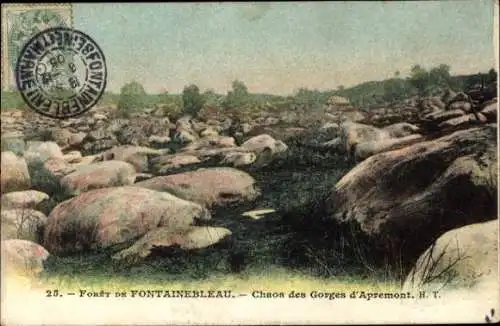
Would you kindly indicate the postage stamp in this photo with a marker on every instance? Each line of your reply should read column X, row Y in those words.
column 250, row 163
column 20, row 22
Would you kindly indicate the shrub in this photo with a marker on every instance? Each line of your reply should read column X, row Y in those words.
column 192, row 100
column 132, row 98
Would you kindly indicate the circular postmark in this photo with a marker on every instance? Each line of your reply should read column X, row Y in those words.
column 61, row 72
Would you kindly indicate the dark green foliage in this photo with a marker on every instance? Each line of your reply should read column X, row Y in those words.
column 132, row 98
column 238, row 97
column 192, row 100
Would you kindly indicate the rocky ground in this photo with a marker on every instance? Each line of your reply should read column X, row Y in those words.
column 341, row 192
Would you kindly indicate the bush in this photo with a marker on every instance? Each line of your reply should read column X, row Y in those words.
column 192, row 100
column 132, row 98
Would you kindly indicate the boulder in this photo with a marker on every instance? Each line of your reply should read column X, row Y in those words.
column 331, row 128
column 459, row 97
column 336, row 145
column 264, row 143
column 369, row 148
column 460, row 105
column 194, row 237
column 184, row 122
column 115, row 218
column 73, row 157
column 401, row 129
column 42, row 151
column 463, row 258
column 210, row 142
column 407, row 198
column 61, row 137
column 99, row 175
column 185, row 136
column 138, row 156
column 58, row 167
column 246, row 128
column 212, row 186
column 209, row 132
column 15, row 175
column 490, row 111
column 354, row 133
column 23, row 199
column 470, row 119
column 441, row 116
column 21, row 223
column 22, row 257
column 352, row 116
column 448, row 96
column 168, row 162
column 13, row 142
column 238, row 158
column 159, row 141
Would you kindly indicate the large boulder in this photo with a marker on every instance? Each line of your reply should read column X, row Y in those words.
column 463, row 258
column 441, row 116
column 61, row 136
column 22, row 223
column 210, row 186
column 138, row 156
column 22, row 257
column 265, row 147
column 238, row 158
column 99, row 140
column 58, row 167
column 42, row 151
column 210, row 142
column 174, row 161
column 114, row 218
column 194, row 237
column 408, row 197
column 369, row 148
column 354, row 133
column 99, row 175
column 73, row 157
column 23, row 199
column 490, row 111
column 464, row 121
column 401, row 129
column 262, row 143
column 15, row 174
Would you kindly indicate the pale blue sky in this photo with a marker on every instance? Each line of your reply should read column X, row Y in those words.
column 279, row 47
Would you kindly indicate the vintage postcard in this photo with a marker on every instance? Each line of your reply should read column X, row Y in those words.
column 249, row 163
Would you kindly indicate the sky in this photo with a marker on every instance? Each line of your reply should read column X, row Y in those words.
column 280, row 47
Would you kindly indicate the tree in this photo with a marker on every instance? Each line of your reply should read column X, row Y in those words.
column 397, row 73
column 419, row 78
column 492, row 76
column 132, row 97
column 192, row 100
column 238, row 97
column 394, row 90
column 440, row 76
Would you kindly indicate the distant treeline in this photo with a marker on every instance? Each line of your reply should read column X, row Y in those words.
column 420, row 82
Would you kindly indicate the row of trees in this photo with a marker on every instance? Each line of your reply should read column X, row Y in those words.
column 133, row 97
column 420, row 82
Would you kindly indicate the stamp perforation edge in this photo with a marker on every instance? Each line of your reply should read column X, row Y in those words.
column 20, row 7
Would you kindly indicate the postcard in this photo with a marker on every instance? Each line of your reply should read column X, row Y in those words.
column 249, row 163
